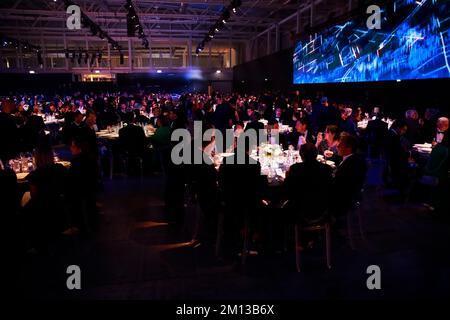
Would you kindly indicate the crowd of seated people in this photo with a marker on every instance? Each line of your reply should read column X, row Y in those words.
column 318, row 126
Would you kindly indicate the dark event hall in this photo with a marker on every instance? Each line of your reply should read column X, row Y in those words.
column 228, row 150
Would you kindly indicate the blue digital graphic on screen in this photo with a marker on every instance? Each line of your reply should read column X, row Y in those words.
column 413, row 43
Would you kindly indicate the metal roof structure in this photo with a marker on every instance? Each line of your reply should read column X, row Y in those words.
column 260, row 26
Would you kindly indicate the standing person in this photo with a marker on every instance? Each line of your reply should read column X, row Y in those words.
column 397, row 156
column 8, row 132
column 82, row 186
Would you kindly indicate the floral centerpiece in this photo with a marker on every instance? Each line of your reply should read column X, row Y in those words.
column 270, row 150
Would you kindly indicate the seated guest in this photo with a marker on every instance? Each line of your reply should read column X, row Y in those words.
column 278, row 116
column 44, row 213
column 346, row 124
column 301, row 134
column 238, row 128
column 132, row 138
column 154, row 119
column 176, row 121
column 441, row 135
column 396, row 155
column 413, row 135
column 71, row 129
column 327, row 145
column 349, row 176
column 275, row 133
column 256, row 125
column 429, row 124
column 307, row 185
column 140, row 118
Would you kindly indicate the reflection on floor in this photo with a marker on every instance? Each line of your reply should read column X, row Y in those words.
column 136, row 255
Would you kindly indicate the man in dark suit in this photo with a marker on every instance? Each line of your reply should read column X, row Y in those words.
column 223, row 115
column 301, row 134
column 257, row 126
column 203, row 178
column 397, row 156
column 376, row 132
column 8, row 132
column 132, row 138
column 349, row 176
column 154, row 120
column 441, row 135
column 308, row 185
column 241, row 186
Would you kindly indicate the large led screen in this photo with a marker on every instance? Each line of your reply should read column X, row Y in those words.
column 412, row 43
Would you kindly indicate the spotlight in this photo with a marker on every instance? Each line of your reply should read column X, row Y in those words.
column 235, row 4
column 158, row 71
column 225, row 15
column 32, row 72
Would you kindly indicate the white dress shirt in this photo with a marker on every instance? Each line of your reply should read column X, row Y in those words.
column 439, row 137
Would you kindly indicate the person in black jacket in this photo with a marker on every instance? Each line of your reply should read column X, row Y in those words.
column 241, row 187
column 376, row 133
column 301, row 134
column 396, row 155
column 132, row 138
column 349, row 176
column 441, row 135
column 33, row 132
column 8, row 132
column 204, row 181
column 308, row 186
column 82, row 185
column 44, row 213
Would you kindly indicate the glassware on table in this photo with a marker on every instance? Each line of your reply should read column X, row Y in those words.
column 328, row 153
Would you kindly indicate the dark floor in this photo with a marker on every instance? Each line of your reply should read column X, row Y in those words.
column 136, row 256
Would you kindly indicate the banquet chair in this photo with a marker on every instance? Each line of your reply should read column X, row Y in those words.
column 320, row 225
column 128, row 160
column 355, row 210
